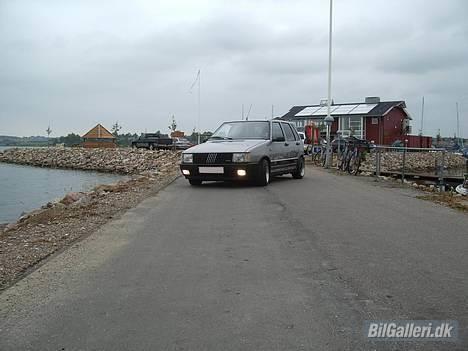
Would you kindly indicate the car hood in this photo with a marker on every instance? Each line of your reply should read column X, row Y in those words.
column 219, row 146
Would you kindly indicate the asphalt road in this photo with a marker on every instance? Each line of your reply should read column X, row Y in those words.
column 297, row 265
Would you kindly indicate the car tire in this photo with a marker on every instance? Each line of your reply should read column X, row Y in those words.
column 300, row 169
column 263, row 175
column 195, row 182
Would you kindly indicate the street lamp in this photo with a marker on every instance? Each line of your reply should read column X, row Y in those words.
column 329, row 119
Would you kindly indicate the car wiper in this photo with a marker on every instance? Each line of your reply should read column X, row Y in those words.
column 220, row 138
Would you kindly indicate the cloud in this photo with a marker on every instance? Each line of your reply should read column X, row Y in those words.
column 75, row 64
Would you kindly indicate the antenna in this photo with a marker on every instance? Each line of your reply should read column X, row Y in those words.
column 272, row 111
column 199, row 86
column 458, row 122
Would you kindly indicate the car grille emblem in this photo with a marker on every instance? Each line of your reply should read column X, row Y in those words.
column 211, row 158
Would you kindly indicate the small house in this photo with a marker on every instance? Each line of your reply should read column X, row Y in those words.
column 99, row 137
column 381, row 121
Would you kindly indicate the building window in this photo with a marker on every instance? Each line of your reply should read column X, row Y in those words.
column 353, row 124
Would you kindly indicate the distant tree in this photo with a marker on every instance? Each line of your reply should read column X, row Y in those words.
column 49, row 132
column 69, row 140
column 173, row 126
column 206, row 135
column 116, row 127
column 193, row 138
column 125, row 140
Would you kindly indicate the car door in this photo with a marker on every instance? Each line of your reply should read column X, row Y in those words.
column 291, row 145
column 277, row 148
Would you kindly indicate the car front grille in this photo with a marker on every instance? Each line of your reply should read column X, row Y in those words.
column 212, row 158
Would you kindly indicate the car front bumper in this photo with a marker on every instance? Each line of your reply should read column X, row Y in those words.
column 229, row 171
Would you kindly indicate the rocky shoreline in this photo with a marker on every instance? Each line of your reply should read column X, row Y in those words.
column 119, row 160
column 42, row 232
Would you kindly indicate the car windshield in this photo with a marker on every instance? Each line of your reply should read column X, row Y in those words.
column 243, row 130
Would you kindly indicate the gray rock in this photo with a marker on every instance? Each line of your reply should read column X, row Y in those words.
column 72, row 197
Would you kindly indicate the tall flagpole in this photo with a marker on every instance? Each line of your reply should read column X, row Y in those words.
column 329, row 119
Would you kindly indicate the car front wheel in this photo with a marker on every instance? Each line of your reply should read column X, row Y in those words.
column 263, row 174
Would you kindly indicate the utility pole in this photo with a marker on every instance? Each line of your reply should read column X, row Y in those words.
column 272, row 111
column 197, row 80
column 242, row 112
column 421, row 131
column 329, row 119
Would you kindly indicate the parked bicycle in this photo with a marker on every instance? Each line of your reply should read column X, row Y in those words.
column 319, row 154
column 350, row 152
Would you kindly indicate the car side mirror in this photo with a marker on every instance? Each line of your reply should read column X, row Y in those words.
column 279, row 139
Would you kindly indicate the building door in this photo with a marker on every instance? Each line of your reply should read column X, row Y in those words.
column 292, row 150
column 277, row 148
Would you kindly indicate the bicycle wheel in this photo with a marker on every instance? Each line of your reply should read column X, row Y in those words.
column 347, row 158
column 341, row 161
column 323, row 158
column 354, row 164
column 316, row 158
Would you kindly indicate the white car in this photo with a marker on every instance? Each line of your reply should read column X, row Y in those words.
column 182, row 143
column 307, row 147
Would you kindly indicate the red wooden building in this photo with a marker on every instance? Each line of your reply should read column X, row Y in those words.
column 380, row 121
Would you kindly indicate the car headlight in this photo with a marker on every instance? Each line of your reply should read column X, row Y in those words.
column 187, row 158
column 241, row 157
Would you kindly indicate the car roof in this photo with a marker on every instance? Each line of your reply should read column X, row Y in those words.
column 258, row 120
column 250, row 120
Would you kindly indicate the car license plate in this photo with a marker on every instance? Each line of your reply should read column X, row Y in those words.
column 211, row 170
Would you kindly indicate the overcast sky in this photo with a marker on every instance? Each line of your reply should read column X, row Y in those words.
column 76, row 63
